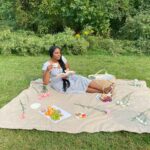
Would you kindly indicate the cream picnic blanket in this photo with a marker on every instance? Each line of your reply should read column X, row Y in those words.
column 20, row 113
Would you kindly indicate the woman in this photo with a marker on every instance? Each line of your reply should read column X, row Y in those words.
column 55, row 69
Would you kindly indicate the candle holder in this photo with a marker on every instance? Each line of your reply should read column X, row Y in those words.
column 125, row 101
column 142, row 117
column 135, row 83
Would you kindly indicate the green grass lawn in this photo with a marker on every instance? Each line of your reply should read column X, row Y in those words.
column 17, row 72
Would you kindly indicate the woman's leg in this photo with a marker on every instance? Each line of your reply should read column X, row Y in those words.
column 101, row 85
column 92, row 90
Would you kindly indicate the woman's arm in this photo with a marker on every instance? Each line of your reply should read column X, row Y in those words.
column 46, row 75
column 46, row 78
column 67, row 66
column 66, row 63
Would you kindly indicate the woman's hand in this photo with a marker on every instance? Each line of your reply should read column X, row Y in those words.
column 65, row 77
column 62, row 75
column 67, row 69
column 45, row 88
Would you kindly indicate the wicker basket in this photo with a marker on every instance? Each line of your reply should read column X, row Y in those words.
column 104, row 76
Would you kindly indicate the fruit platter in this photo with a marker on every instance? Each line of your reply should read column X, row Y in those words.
column 54, row 113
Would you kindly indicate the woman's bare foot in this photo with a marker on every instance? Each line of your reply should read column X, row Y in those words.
column 110, row 89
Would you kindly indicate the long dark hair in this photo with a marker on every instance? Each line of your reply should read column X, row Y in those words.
column 66, row 83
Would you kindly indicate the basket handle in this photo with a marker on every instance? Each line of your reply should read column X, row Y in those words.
column 101, row 71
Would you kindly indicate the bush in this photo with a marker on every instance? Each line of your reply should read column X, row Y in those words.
column 114, row 47
column 143, row 46
column 107, row 46
column 127, row 46
column 27, row 43
column 70, row 43
column 110, row 46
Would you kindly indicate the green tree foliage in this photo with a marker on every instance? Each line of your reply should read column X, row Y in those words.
column 50, row 16
column 107, row 18
column 137, row 27
column 7, row 14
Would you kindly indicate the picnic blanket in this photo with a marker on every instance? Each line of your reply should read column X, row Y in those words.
column 128, row 111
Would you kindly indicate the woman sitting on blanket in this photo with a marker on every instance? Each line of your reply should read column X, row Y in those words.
column 63, row 80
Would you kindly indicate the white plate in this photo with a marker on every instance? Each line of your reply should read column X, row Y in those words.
column 63, row 112
column 35, row 105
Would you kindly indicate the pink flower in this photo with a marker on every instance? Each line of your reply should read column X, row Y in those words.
column 107, row 99
column 83, row 115
column 107, row 102
column 44, row 95
column 22, row 116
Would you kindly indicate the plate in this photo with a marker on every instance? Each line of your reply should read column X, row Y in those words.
column 64, row 113
column 35, row 105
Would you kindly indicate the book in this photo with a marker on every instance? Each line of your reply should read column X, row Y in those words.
column 66, row 74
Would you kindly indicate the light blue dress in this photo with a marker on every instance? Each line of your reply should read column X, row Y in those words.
column 78, row 83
